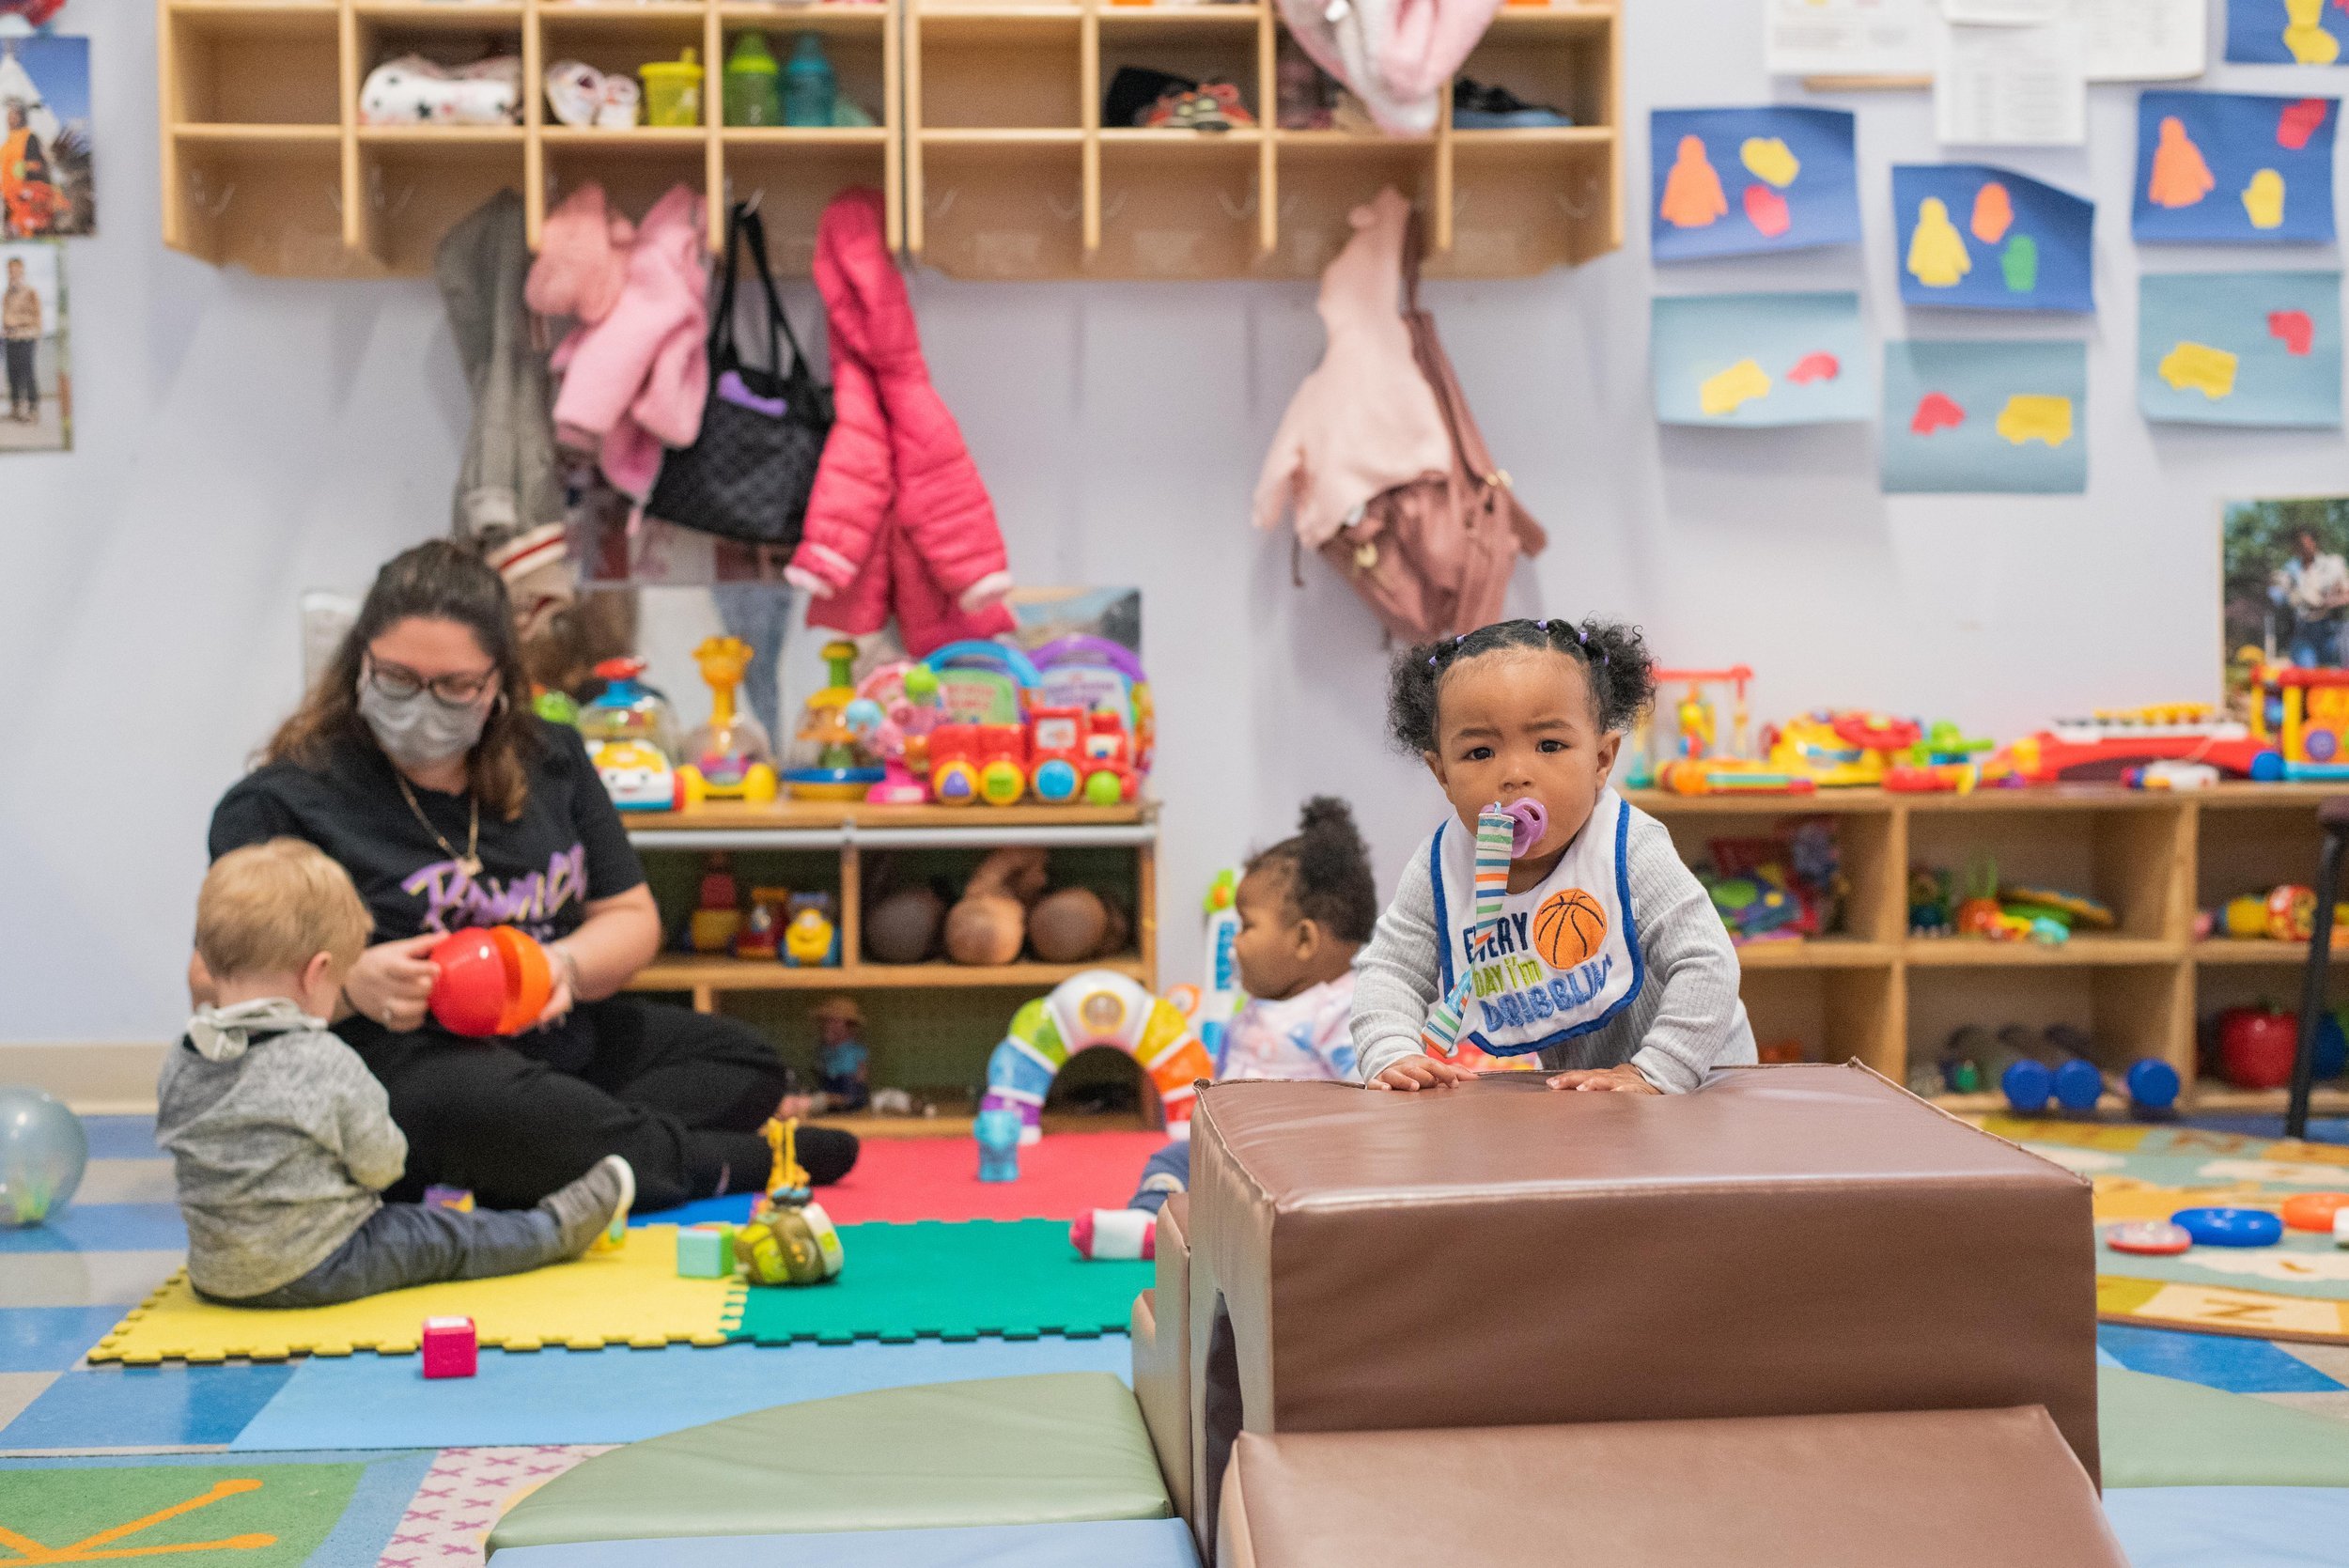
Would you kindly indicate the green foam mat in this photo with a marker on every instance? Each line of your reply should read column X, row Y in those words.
column 253, row 1515
column 2160, row 1432
column 1055, row 1449
column 951, row 1280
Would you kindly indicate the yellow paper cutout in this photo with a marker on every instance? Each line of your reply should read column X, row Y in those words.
column 2031, row 416
column 2308, row 42
column 1742, row 382
column 1937, row 252
column 2207, row 370
column 2264, row 199
column 1768, row 158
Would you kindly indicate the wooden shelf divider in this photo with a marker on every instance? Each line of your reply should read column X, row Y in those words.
column 1879, row 994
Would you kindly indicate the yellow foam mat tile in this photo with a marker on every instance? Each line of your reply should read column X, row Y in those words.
column 631, row 1297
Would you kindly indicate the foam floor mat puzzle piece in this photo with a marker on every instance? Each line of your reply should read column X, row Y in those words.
column 1089, row 1543
column 1005, row 1450
column 2159, row 1432
column 624, row 1396
column 631, row 1296
column 252, row 1515
column 955, row 1281
column 2232, row 1527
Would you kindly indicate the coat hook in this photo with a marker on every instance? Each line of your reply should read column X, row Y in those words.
column 1110, row 209
column 1068, row 214
column 944, row 202
column 1238, row 209
column 757, row 193
column 1590, row 187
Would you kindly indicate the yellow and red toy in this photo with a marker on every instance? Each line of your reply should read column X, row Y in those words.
column 729, row 758
column 2110, row 741
column 2304, row 715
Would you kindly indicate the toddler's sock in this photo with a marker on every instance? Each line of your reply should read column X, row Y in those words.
column 1115, row 1233
column 584, row 1209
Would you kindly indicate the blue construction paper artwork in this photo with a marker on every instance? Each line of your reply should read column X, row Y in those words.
column 1734, row 181
column 1989, row 239
column 2286, row 32
column 1759, row 358
column 2240, row 347
column 1985, row 416
column 2234, row 166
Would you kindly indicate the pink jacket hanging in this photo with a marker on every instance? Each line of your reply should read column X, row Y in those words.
column 635, row 381
column 899, row 522
column 1365, row 420
column 1395, row 54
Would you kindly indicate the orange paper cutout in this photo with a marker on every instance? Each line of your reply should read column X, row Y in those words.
column 2180, row 177
column 1994, row 213
column 1692, row 192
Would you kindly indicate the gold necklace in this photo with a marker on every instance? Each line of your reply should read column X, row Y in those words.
column 470, row 861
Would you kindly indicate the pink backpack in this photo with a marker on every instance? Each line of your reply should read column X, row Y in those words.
column 1431, row 558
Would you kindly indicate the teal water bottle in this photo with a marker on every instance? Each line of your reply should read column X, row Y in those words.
column 754, row 92
column 808, row 84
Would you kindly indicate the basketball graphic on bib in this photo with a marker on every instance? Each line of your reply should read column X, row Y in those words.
column 1568, row 928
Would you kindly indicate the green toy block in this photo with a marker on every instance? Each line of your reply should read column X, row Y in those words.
column 705, row 1254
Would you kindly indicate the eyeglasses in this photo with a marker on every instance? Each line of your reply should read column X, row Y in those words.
column 400, row 683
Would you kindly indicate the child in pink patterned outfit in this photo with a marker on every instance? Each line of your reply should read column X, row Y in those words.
column 1306, row 906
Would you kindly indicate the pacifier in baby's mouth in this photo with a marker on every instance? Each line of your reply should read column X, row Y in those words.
column 1530, row 822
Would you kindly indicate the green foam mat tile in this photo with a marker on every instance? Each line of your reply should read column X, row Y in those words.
column 255, row 1515
column 2160, row 1432
column 1053, row 1449
column 951, row 1280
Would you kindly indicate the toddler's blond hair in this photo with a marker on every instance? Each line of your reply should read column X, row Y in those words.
column 270, row 907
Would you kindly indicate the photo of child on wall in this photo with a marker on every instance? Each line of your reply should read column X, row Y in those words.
column 32, row 349
column 2284, row 585
column 48, row 186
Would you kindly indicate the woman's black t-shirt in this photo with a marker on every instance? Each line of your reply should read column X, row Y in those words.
column 538, row 872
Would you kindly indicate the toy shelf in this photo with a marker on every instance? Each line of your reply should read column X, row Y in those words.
column 1011, row 174
column 841, row 832
column 1879, row 994
column 265, row 165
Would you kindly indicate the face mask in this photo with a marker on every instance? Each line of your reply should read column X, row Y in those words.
column 420, row 731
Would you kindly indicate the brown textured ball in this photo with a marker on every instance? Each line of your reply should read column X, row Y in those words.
column 902, row 928
column 1068, row 927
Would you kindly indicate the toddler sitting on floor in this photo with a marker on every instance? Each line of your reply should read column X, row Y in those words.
column 1306, row 906
column 280, row 1136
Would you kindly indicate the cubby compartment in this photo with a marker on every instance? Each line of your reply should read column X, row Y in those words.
column 1871, row 907
column 1002, row 206
column 1181, row 204
column 2250, row 846
column 860, row 57
column 2218, row 987
column 1202, row 43
column 1111, row 872
column 1556, row 57
column 793, row 181
column 1524, row 201
column 416, row 183
column 447, row 35
column 623, row 40
column 252, row 63
column 272, row 206
column 635, row 169
column 1835, row 1014
column 998, row 68
column 2123, row 851
column 1322, row 176
column 2127, row 1013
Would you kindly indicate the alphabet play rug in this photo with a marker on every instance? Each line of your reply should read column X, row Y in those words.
column 2298, row 1289
column 631, row 1297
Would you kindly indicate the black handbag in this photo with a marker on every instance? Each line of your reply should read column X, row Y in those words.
column 748, row 473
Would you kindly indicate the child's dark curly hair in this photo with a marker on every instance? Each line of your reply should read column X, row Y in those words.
column 1328, row 869
column 1614, row 657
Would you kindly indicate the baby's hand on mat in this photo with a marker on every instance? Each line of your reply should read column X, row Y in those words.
column 1625, row 1079
column 1419, row 1072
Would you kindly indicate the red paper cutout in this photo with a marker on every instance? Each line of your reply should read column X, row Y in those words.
column 1935, row 412
column 1816, row 368
column 2300, row 121
column 1766, row 211
column 2294, row 326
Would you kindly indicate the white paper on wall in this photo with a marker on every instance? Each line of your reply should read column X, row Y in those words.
column 1849, row 37
column 2011, row 86
column 2147, row 40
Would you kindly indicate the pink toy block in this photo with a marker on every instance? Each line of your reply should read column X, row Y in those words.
column 450, row 1350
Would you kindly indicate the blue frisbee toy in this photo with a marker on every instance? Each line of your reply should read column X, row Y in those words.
column 2229, row 1227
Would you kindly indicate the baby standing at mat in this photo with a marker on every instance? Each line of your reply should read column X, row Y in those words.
column 280, row 1138
column 1589, row 942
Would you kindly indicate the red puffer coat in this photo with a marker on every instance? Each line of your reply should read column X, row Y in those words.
column 898, row 522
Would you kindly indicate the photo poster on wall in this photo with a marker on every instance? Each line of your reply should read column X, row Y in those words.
column 1982, row 417
column 1988, row 238
column 1759, row 358
column 1044, row 615
column 1740, row 181
column 36, row 348
column 48, row 179
column 2234, row 166
column 2283, row 587
column 2286, row 32
column 2240, row 349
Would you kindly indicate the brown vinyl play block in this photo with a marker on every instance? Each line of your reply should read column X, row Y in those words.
column 1797, row 1240
column 1925, row 1489
column 1160, row 1332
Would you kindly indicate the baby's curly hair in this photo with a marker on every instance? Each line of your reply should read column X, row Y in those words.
column 1614, row 657
column 1328, row 868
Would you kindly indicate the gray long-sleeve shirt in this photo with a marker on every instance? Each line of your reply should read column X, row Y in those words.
column 1686, row 1020
column 279, row 1152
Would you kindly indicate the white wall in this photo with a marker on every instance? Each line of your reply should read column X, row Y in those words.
column 239, row 440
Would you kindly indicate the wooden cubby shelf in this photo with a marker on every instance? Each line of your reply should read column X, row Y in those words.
column 1874, row 992
column 265, row 165
column 989, row 149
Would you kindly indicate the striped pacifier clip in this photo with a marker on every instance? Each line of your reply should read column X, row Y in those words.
column 1503, row 834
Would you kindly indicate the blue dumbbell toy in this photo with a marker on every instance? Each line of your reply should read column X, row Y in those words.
column 2153, row 1088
